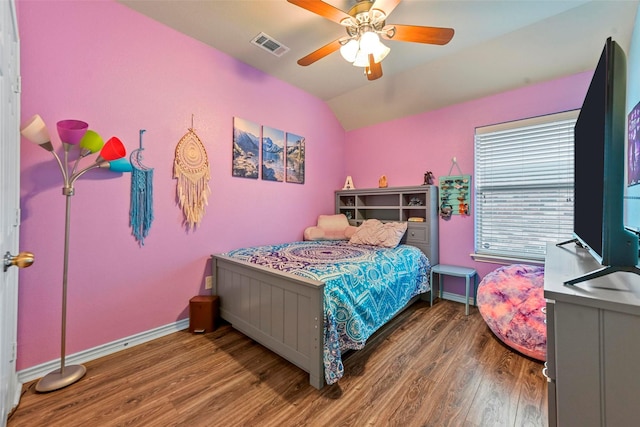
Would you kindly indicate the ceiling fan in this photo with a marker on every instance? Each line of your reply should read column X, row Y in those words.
column 365, row 24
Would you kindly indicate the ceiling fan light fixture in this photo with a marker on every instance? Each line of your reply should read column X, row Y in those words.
column 349, row 50
column 362, row 59
column 369, row 41
column 365, row 23
column 381, row 51
column 361, row 55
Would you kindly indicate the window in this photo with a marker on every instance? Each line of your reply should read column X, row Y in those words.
column 524, row 186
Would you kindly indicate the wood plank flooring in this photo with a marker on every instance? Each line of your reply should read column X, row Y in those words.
column 431, row 366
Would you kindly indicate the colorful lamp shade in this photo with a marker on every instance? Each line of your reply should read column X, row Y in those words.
column 72, row 131
column 91, row 142
column 120, row 165
column 113, row 149
column 36, row 131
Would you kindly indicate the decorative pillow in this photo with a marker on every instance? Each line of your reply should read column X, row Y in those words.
column 376, row 233
column 330, row 227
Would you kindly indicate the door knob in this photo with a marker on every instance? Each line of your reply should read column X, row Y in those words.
column 22, row 260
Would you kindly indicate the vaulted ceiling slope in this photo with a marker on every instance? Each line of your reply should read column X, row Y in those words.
column 498, row 45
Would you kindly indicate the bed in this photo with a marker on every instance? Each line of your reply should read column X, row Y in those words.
column 310, row 302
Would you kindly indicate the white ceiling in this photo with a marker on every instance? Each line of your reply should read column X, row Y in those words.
column 498, row 45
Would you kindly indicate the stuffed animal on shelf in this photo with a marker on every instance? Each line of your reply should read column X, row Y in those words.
column 428, row 178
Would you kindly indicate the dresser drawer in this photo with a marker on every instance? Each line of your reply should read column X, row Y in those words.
column 418, row 233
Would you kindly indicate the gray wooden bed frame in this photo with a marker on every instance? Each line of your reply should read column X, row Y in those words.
column 279, row 310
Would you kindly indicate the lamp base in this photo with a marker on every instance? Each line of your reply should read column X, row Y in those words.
column 60, row 378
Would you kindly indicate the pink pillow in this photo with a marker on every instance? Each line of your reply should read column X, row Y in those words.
column 375, row 233
column 330, row 227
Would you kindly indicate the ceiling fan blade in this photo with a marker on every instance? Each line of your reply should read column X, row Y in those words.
column 374, row 70
column 323, row 9
column 418, row 34
column 386, row 6
column 320, row 53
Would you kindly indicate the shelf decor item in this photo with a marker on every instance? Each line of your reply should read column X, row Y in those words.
column 428, row 178
column 191, row 169
column 348, row 184
column 74, row 134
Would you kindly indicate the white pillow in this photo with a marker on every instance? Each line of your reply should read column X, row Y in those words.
column 375, row 233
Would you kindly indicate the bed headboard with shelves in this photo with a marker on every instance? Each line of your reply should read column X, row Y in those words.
column 417, row 205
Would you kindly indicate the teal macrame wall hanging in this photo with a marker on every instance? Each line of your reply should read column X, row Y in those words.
column 141, row 210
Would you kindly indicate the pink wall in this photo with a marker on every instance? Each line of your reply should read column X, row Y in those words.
column 137, row 74
column 406, row 148
column 119, row 71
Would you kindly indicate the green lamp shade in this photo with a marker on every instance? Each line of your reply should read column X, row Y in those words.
column 91, row 141
column 120, row 165
column 36, row 131
column 113, row 149
column 71, row 131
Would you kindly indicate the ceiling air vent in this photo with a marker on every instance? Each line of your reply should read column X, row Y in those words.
column 269, row 44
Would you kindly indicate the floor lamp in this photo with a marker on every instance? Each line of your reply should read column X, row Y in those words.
column 73, row 134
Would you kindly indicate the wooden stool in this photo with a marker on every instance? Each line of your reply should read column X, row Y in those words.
column 452, row 270
column 203, row 313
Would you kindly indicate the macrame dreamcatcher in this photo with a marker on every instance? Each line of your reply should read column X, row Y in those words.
column 191, row 168
column 141, row 209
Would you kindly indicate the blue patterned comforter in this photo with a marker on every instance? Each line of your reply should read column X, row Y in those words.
column 365, row 286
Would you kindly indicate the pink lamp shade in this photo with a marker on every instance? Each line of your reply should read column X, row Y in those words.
column 72, row 131
column 36, row 131
column 91, row 142
column 113, row 149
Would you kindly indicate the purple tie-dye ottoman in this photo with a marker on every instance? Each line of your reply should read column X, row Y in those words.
column 510, row 300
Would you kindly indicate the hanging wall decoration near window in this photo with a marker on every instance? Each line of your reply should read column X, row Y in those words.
column 191, row 168
column 295, row 158
column 272, row 154
column 454, row 193
column 246, row 148
column 141, row 208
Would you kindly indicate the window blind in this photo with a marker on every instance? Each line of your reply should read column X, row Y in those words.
column 524, row 186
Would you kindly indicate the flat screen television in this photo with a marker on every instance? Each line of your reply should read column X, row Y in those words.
column 599, row 169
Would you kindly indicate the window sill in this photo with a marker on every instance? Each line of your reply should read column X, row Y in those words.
column 502, row 259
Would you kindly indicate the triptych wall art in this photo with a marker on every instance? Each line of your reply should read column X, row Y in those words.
column 264, row 151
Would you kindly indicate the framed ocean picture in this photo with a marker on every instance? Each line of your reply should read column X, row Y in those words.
column 246, row 148
column 295, row 149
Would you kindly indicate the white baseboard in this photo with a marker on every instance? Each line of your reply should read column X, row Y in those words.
column 458, row 298
column 41, row 370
